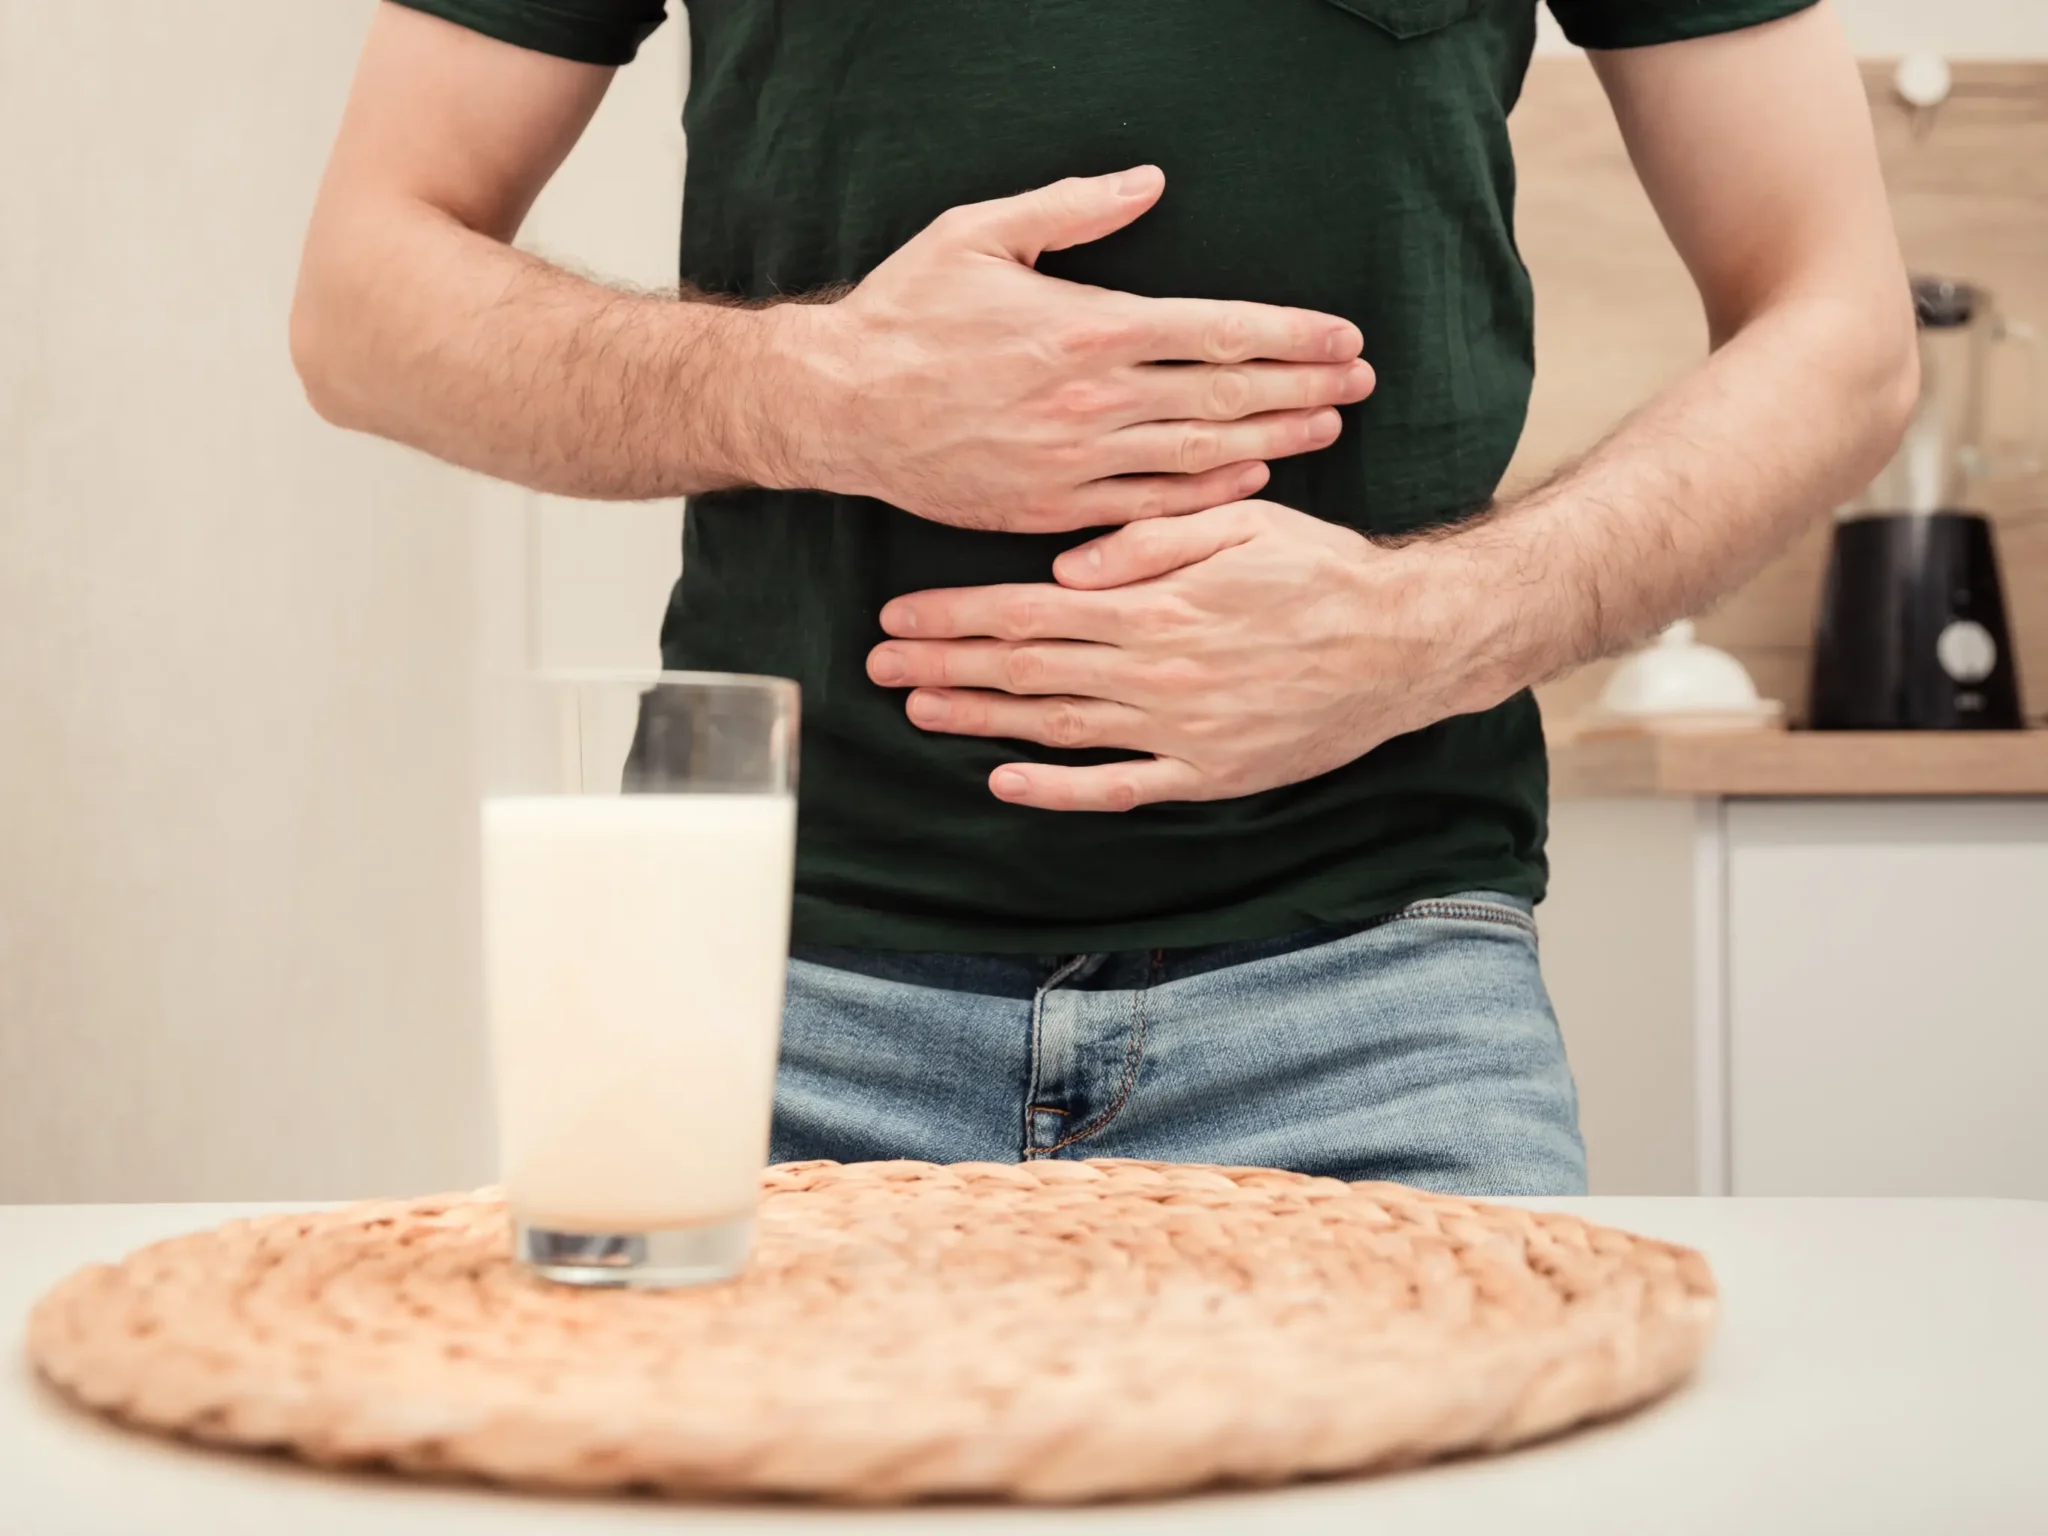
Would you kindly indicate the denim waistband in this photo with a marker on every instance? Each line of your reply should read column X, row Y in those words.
column 1023, row 976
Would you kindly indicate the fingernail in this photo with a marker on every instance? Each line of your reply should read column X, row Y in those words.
column 886, row 667
column 1343, row 342
column 1326, row 425
column 1251, row 480
column 1008, row 781
column 898, row 617
column 1094, row 558
column 1137, row 182
column 1359, row 376
column 927, row 708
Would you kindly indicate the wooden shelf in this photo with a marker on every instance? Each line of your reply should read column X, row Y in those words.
column 1802, row 763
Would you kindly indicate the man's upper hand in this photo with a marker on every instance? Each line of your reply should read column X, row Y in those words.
column 959, row 383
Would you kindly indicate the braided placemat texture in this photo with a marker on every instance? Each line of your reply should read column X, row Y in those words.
column 1051, row 1331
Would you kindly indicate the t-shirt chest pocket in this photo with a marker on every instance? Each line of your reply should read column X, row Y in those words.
column 1409, row 18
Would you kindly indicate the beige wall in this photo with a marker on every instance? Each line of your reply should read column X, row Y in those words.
column 237, row 930
column 236, row 946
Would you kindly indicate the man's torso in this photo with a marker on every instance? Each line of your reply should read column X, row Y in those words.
column 1350, row 158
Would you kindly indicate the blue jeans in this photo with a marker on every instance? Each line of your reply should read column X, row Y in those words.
column 1420, row 1048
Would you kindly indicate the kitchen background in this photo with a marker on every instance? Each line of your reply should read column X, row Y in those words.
column 237, row 947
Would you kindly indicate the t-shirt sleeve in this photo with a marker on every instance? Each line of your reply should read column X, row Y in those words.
column 1640, row 23
column 588, row 31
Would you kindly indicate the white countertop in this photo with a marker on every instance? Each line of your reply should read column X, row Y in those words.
column 1882, row 1367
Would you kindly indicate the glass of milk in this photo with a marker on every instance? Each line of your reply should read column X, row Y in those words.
column 638, row 842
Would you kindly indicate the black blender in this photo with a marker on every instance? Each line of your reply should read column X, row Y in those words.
column 1913, row 632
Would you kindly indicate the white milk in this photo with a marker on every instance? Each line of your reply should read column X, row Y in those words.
column 635, row 948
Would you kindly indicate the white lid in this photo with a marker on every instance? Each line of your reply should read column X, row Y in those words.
column 1678, row 676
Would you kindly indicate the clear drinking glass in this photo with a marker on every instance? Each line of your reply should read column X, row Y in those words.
column 638, row 847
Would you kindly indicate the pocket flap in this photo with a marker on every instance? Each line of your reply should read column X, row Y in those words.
column 1409, row 18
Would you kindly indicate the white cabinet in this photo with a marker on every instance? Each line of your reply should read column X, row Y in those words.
column 1887, row 997
column 1806, row 996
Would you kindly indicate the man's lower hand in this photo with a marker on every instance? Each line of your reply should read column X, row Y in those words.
column 1245, row 647
column 959, row 383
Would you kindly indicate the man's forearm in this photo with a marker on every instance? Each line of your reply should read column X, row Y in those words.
column 955, row 381
column 1692, row 494
column 411, row 326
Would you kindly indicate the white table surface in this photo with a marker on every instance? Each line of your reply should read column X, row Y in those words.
column 1882, row 1367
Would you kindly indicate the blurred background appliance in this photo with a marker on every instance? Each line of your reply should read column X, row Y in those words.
column 1680, row 684
column 1912, row 631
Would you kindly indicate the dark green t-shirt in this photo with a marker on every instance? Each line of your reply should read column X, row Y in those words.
column 1349, row 156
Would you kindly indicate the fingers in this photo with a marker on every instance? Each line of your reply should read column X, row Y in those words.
column 1195, row 447
column 1015, row 667
column 1128, row 498
column 1023, row 611
column 1051, row 218
column 1245, row 389
column 1228, row 331
column 1146, row 550
column 1051, row 722
column 1111, row 787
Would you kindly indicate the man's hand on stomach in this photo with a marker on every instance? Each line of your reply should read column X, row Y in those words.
column 960, row 384
column 1244, row 647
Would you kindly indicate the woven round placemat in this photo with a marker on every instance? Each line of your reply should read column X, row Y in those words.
column 1052, row 1331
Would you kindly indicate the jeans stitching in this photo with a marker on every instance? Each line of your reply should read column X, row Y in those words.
column 1134, row 1053
column 1469, row 911
column 1032, row 1093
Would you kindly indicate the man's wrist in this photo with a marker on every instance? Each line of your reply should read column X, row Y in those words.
column 1506, row 607
column 766, row 383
